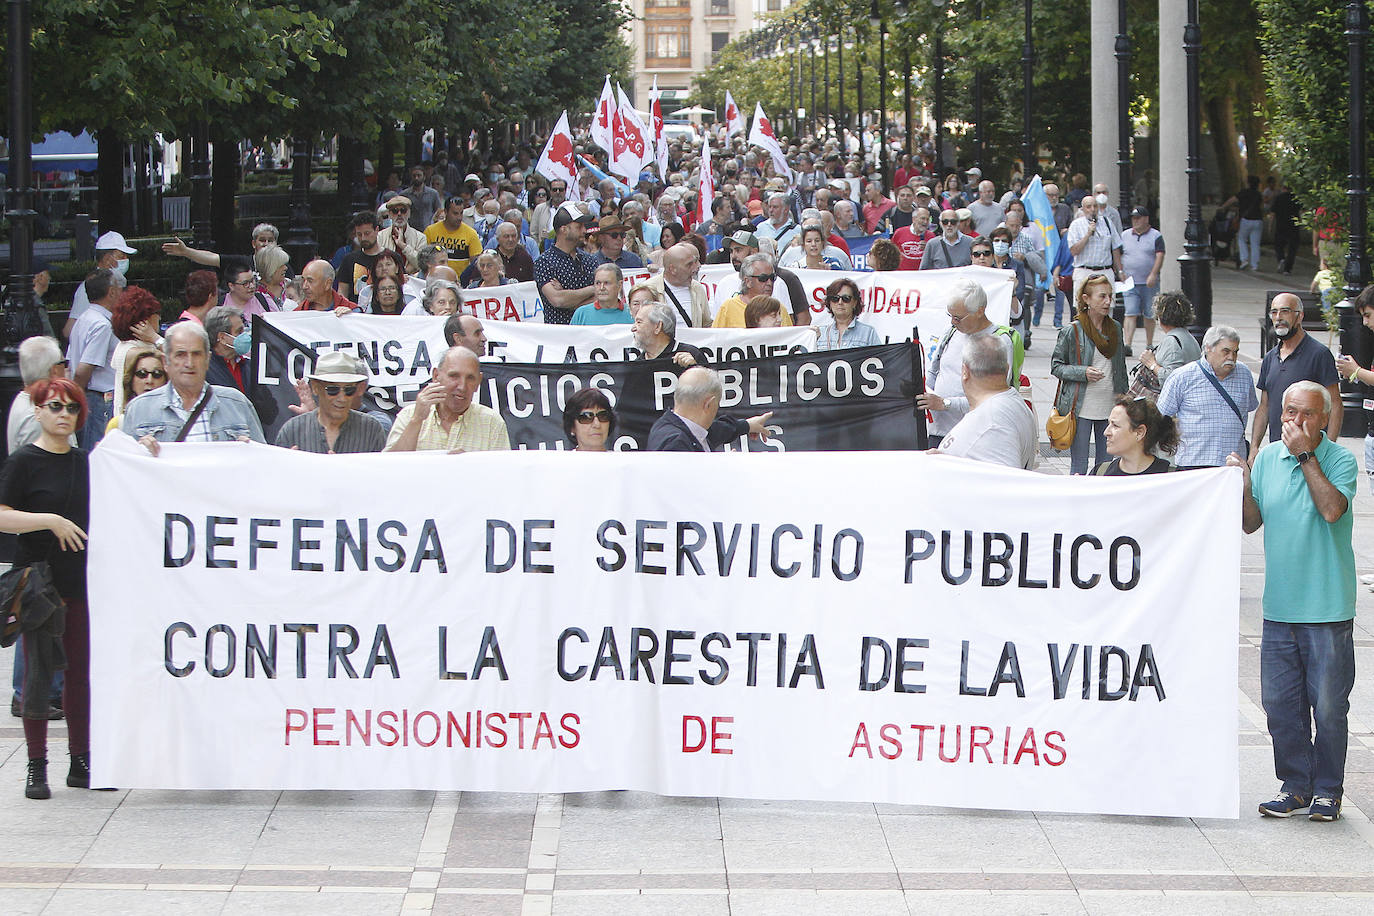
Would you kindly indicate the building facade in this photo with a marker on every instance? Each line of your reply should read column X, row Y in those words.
column 675, row 40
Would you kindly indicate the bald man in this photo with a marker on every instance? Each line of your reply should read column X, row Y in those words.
column 679, row 287
column 1298, row 357
column 446, row 414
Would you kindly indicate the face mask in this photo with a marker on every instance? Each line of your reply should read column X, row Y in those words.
column 1282, row 332
column 1001, row 248
column 243, row 343
column 386, row 224
column 1102, row 200
column 121, row 267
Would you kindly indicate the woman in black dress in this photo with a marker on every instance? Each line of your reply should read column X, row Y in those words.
column 45, row 499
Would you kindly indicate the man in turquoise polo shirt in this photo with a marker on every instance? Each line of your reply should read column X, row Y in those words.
column 1301, row 490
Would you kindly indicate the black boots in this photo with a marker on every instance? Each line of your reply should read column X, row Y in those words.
column 79, row 776
column 36, row 786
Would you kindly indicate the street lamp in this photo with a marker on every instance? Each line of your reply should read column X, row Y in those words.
column 978, row 100
column 1029, row 165
column 815, row 49
column 939, row 85
column 876, row 19
column 1195, row 264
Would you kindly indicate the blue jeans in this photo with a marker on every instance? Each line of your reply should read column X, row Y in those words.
column 1369, row 460
column 1248, row 239
column 97, row 418
column 1059, row 299
column 1306, row 673
column 1084, row 433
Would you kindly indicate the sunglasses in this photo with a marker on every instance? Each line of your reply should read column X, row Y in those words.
column 763, row 278
column 58, row 406
column 333, row 390
column 982, row 253
column 145, row 373
column 587, row 416
column 948, row 222
column 612, row 235
column 840, row 297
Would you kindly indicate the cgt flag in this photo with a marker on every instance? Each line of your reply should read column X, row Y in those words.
column 734, row 119
column 656, row 126
column 762, row 136
column 706, row 190
column 558, row 160
column 630, row 139
column 602, row 131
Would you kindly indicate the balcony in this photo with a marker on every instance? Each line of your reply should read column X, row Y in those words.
column 720, row 8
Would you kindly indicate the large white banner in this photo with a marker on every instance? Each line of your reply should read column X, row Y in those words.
column 895, row 301
column 402, row 347
column 974, row 637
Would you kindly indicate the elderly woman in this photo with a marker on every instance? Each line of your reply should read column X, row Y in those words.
column 641, row 295
column 45, row 499
column 1090, row 363
column 491, row 270
column 391, row 264
column 135, row 321
column 1135, row 431
column 145, row 369
column 1176, row 347
column 669, row 235
column 270, row 265
column 441, row 298
column 845, row 304
column 763, row 312
column 589, row 420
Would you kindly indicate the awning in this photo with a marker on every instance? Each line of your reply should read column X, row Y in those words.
column 61, row 152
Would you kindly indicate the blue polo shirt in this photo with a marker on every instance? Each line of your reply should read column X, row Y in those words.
column 1309, row 361
column 1309, row 563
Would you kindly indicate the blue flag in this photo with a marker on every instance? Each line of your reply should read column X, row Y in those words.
column 621, row 188
column 1038, row 211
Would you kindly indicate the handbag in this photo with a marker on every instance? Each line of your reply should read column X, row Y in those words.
column 1061, row 427
column 1144, row 382
column 29, row 599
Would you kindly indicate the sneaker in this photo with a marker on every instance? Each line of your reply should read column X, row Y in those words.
column 1325, row 809
column 1283, row 805
column 36, row 785
column 16, row 707
column 1128, row 351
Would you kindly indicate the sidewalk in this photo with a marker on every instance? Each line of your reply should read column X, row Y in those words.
column 629, row 853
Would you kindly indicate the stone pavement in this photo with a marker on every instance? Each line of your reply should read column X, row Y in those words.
column 629, row 853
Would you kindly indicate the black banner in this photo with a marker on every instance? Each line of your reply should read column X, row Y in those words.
column 855, row 399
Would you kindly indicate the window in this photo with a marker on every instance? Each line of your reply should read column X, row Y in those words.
column 667, row 44
column 719, row 8
column 718, row 42
column 774, row 5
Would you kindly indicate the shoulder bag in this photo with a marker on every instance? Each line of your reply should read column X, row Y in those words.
column 1061, row 427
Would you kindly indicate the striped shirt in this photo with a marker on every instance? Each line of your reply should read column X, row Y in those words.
column 1102, row 238
column 1208, row 427
column 477, row 429
column 359, row 433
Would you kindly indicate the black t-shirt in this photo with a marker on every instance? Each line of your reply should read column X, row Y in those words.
column 34, row 480
column 356, row 269
column 1113, row 468
column 1250, row 203
column 897, row 219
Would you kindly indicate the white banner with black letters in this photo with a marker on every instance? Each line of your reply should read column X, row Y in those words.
column 885, row 627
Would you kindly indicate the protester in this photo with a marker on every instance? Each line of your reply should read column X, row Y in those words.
column 678, row 285
column 1348, row 368
column 466, row 331
column 334, row 427
column 884, row 255
column 400, row 236
column 756, row 278
column 90, row 354
column 641, row 294
column 1090, row 363
column 999, row 428
column 845, row 304
column 606, row 306
column 563, row 272
column 145, row 368
column 1136, row 430
column 1142, row 256
column 318, row 293
column 951, row 248
column 453, row 235
column 355, row 270
column 655, row 330
column 40, row 358
column 188, row 409
column 389, row 265
column 1298, row 357
column 1301, row 491
column 1095, row 246
column 270, row 264
column 134, row 321
column 693, row 424
column 491, row 272
column 1211, row 398
column 45, row 499
column 1176, row 346
column 763, row 312
column 589, row 420
column 446, row 415
column 111, row 253
column 441, row 297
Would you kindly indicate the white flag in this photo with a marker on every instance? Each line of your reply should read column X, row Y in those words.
column 706, row 189
column 629, row 139
column 734, row 118
column 656, row 125
column 762, row 136
column 557, row 160
column 602, row 117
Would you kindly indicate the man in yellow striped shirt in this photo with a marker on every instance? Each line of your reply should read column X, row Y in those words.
column 446, row 415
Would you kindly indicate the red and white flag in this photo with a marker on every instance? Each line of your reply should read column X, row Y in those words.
column 629, row 139
column 734, row 119
column 656, row 126
column 558, row 161
column 762, row 136
column 706, row 187
column 601, row 131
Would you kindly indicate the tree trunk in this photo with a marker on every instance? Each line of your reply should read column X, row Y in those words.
column 110, row 181
column 224, row 183
column 1221, row 125
column 386, row 153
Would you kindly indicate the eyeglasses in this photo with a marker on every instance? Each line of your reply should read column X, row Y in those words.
column 765, row 279
column 398, row 209
column 333, row 390
column 982, row 253
column 59, row 406
column 249, row 283
column 955, row 319
column 948, row 222
column 840, row 297
column 586, row 417
column 612, row 235
column 146, row 373
column 1283, row 311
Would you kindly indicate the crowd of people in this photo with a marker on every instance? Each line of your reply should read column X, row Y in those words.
column 425, row 245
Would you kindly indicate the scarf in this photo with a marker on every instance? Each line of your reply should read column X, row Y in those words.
column 1107, row 343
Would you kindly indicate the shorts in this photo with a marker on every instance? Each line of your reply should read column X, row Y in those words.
column 1140, row 300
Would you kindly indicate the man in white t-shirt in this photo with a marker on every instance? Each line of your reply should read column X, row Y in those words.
column 999, row 428
column 945, row 397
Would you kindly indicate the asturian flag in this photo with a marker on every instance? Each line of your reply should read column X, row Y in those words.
column 557, row 161
column 734, row 120
column 630, row 139
column 601, row 119
column 656, row 125
column 706, row 189
column 1039, row 212
column 762, row 136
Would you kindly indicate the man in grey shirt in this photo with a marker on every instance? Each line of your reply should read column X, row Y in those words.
column 987, row 212
column 337, row 383
column 999, row 428
column 951, row 249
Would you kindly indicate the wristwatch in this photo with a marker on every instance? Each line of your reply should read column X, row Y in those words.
column 1303, row 457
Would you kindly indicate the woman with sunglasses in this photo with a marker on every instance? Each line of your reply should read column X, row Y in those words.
column 589, row 420
column 145, row 369
column 45, row 499
column 844, row 303
column 1135, row 431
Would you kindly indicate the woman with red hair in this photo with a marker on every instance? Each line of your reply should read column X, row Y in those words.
column 134, row 320
column 45, row 499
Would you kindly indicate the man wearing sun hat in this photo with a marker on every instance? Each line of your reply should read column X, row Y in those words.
column 334, row 427
column 401, row 237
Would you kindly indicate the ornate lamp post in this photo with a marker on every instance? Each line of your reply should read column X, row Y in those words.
column 978, row 100
column 1195, row 264
column 875, row 18
column 1029, row 164
column 300, row 240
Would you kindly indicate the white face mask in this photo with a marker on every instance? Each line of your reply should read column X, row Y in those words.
column 1102, row 200
column 1000, row 248
column 121, row 266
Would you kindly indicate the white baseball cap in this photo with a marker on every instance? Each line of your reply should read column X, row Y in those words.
column 113, row 241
